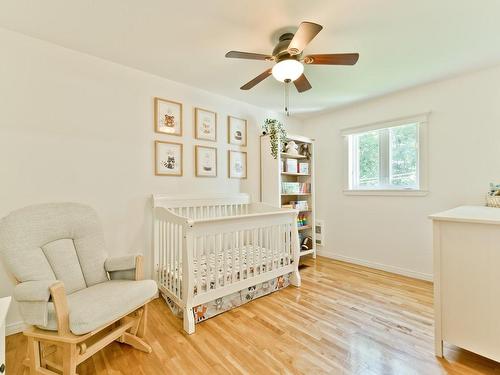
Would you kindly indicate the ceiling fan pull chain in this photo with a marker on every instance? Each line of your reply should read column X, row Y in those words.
column 287, row 97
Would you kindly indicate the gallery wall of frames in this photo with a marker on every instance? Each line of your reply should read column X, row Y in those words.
column 169, row 155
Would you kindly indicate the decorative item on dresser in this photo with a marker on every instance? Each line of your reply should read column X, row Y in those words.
column 205, row 124
column 4, row 307
column 74, row 297
column 287, row 180
column 467, row 279
column 212, row 251
column 168, row 117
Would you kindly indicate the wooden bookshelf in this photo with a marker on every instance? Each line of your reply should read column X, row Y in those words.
column 273, row 173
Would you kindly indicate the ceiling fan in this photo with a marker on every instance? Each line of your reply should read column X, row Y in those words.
column 288, row 59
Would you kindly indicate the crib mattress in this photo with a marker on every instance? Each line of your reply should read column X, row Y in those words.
column 247, row 262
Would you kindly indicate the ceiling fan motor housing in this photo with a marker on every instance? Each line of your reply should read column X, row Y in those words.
column 280, row 52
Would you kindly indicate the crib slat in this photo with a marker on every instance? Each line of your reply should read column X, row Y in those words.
column 233, row 258
column 276, row 246
column 218, row 247
column 166, row 242
column 225, row 250
column 198, row 264
column 262, row 249
column 159, row 247
column 167, row 239
column 213, row 260
column 249, row 250
column 287, row 243
column 240, row 251
column 281, row 240
column 172, row 266
column 178, row 233
column 176, row 260
column 165, row 259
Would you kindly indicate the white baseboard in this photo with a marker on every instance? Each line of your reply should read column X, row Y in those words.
column 13, row 328
column 378, row 266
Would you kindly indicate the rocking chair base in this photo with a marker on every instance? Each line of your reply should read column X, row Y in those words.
column 129, row 330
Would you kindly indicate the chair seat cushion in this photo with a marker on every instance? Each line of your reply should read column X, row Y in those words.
column 100, row 304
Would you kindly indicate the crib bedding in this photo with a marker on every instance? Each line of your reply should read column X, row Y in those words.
column 233, row 300
column 248, row 261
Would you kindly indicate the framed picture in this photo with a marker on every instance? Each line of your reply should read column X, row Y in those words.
column 236, row 131
column 168, row 117
column 168, row 158
column 205, row 124
column 205, row 161
column 237, row 161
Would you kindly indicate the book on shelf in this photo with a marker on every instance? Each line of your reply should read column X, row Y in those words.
column 291, row 166
column 300, row 205
column 295, row 188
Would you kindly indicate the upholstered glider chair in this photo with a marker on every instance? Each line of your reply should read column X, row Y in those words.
column 75, row 299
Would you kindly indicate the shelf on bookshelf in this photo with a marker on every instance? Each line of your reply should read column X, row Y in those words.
column 295, row 174
column 293, row 156
column 304, row 227
column 284, row 194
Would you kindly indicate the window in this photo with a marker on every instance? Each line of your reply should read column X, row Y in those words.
column 386, row 157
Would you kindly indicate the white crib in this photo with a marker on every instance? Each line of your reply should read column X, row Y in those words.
column 207, row 248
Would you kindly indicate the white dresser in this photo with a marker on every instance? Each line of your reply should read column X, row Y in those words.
column 4, row 307
column 467, row 279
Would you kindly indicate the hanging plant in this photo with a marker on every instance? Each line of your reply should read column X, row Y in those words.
column 277, row 134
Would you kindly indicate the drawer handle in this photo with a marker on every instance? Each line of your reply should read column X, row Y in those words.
column 2, row 368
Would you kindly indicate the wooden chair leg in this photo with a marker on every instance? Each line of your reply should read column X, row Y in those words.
column 136, row 342
column 141, row 331
column 69, row 359
column 33, row 355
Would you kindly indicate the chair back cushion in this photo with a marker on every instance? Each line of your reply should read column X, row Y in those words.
column 54, row 241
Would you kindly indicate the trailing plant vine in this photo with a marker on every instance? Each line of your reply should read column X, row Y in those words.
column 277, row 134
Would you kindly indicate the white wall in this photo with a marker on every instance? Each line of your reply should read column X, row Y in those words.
column 464, row 149
column 77, row 128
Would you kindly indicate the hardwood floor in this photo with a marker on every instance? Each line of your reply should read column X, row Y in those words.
column 345, row 319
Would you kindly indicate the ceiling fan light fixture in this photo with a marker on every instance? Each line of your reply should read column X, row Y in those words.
column 288, row 70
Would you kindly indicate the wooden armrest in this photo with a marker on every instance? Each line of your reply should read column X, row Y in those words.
column 139, row 269
column 60, row 302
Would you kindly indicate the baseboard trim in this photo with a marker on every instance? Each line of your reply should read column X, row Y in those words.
column 13, row 328
column 378, row 266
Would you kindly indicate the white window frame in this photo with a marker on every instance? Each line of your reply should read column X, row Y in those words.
column 351, row 165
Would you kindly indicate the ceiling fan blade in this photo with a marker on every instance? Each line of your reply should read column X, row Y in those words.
column 332, row 59
column 258, row 79
column 248, row 56
column 302, row 84
column 306, row 32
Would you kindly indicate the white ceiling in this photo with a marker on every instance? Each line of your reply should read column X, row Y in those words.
column 401, row 43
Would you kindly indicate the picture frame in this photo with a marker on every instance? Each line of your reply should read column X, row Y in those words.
column 236, row 131
column 205, row 124
column 167, row 117
column 237, row 164
column 205, row 159
column 168, row 158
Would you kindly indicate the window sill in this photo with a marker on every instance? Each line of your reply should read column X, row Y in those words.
column 396, row 192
